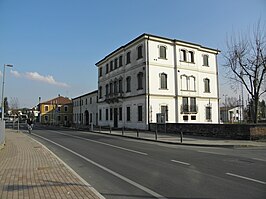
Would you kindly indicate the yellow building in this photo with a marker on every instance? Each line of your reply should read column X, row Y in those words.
column 57, row 111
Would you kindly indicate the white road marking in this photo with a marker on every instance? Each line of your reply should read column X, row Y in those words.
column 259, row 159
column 118, row 147
column 246, row 178
column 176, row 161
column 147, row 190
column 210, row 152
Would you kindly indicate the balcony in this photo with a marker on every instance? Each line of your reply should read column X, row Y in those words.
column 189, row 109
column 114, row 97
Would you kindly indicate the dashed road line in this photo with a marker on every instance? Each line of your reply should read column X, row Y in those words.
column 180, row 162
column 246, row 178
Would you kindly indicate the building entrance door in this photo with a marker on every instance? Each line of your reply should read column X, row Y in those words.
column 86, row 117
column 115, row 118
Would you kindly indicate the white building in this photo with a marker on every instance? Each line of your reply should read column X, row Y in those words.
column 85, row 109
column 151, row 75
column 232, row 114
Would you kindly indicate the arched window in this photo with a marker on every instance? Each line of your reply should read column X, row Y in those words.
column 140, row 54
column 140, row 80
column 120, row 87
column 192, row 83
column 183, row 55
column 205, row 60
column 128, row 84
column 191, row 56
column 163, row 80
column 206, row 85
column 162, row 52
column 184, row 82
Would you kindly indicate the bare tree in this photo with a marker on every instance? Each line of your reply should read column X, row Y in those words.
column 14, row 105
column 245, row 61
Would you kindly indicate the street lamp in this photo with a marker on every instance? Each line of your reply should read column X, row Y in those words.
column 3, row 86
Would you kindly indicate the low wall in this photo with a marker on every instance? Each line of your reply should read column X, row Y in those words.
column 226, row 131
column 2, row 134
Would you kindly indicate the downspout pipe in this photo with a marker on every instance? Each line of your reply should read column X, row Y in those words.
column 176, row 83
column 218, row 92
column 147, row 83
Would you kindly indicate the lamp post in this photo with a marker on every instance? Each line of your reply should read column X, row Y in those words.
column 3, row 87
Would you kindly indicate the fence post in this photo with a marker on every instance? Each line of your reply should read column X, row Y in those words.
column 156, row 133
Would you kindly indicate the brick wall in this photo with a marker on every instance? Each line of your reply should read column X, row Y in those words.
column 226, row 131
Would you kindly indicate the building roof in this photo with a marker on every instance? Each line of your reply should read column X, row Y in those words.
column 159, row 37
column 92, row 92
column 58, row 100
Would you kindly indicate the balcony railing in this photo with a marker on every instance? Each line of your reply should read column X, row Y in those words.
column 189, row 109
column 113, row 97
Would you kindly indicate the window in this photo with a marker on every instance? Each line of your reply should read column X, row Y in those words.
column 193, row 117
column 205, row 60
column 58, row 108
column 140, row 80
column 139, row 52
column 139, row 113
column 120, row 88
column 164, row 110
column 116, row 63
column 191, row 56
column 185, row 104
column 120, row 113
column 206, row 85
column 163, row 78
column 184, row 82
column 162, row 54
column 193, row 106
column 46, row 108
column 120, row 60
column 128, row 113
column 100, row 72
column 208, row 113
column 111, row 88
column 185, row 117
column 111, row 65
column 106, row 114
column 90, row 100
column 100, row 92
column 46, row 118
column 111, row 114
column 100, row 114
column 86, row 101
column 65, row 118
column 90, row 117
column 66, row 108
column 128, row 80
column 106, row 89
column 115, row 87
column 192, row 82
column 106, row 68
column 128, row 57
column 183, row 55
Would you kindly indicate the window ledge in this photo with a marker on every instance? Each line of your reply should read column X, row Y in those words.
column 187, row 62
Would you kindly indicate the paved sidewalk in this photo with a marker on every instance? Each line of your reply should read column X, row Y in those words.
column 186, row 139
column 30, row 170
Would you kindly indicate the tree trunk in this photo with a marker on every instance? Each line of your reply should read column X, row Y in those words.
column 256, row 103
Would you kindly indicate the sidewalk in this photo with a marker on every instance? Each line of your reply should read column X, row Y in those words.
column 186, row 139
column 29, row 170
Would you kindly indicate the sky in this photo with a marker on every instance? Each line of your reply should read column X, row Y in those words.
column 54, row 44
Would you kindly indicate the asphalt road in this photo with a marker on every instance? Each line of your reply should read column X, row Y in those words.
column 125, row 168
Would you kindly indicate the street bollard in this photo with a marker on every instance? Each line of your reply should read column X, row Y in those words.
column 110, row 129
column 123, row 131
column 137, row 132
column 181, row 137
column 100, row 129
column 156, row 134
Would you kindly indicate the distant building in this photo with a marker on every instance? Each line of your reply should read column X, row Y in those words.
column 57, row 111
column 85, row 109
column 231, row 114
column 154, row 76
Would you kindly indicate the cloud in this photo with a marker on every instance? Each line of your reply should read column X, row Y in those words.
column 15, row 73
column 35, row 76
